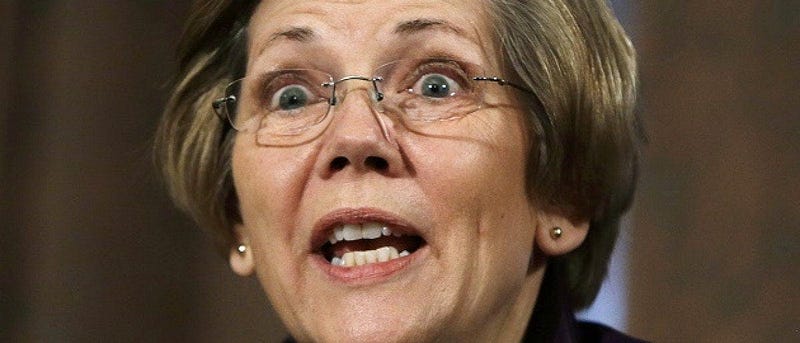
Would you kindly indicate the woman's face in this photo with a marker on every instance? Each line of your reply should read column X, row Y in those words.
column 456, row 197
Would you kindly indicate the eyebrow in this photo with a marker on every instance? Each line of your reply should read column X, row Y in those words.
column 424, row 24
column 301, row 34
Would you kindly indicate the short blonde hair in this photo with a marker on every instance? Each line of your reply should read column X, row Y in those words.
column 573, row 54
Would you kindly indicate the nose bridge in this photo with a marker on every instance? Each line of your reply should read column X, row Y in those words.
column 361, row 112
column 352, row 83
column 358, row 140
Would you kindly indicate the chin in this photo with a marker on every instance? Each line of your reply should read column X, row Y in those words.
column 399, row 300
column 378, row 314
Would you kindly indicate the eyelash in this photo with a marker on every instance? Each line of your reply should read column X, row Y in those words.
column 269, row 85
column 444, row 67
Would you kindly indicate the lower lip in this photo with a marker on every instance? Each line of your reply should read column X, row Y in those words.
column 369, row 273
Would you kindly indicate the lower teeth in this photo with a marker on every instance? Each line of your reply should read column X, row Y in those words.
column 360, row 258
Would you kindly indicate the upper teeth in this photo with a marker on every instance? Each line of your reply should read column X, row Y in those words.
column 354, row 232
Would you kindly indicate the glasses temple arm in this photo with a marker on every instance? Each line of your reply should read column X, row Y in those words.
column 541, row 113
column 220, row 104
column 504, row 82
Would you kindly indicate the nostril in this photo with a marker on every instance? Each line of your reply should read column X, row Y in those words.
column 339, row 163
column 376, row 163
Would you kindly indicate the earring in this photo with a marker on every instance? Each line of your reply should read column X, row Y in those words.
column 556, row 232
column 241, row 249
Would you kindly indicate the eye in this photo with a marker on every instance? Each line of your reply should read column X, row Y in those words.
column 289, row 98
column 291, row 91
column 434, row 79
column 436, row 86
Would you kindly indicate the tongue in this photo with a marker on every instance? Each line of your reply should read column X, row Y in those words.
column 410, row 243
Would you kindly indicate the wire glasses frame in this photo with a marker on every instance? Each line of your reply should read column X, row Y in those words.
column 285, row 104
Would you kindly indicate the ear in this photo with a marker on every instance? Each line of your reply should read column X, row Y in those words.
column 573, row 232
column 241, row 261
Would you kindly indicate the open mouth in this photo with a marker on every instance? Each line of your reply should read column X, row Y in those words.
column 352, row 245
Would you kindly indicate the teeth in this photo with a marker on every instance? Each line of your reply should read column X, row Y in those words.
column 360, row 258
column 371, row 256
column 383, row 254
column 348, row 259
column 371, row 231
column 354, row 232
column 338, row 235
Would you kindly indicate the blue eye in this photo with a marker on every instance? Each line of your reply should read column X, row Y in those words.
column 437, row 86
column 290, row 98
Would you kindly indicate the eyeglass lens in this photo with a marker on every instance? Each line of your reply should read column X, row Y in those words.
column 289, row 102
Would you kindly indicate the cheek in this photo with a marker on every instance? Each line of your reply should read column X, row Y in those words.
column 477, row 188
column 477, row 185
column 485, row 172
column 268, row 182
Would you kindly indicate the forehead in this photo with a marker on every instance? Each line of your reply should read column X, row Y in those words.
column 349, row 30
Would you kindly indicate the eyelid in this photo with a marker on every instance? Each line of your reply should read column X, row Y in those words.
column 282, row 78
column 449, row 68
column 283, row 74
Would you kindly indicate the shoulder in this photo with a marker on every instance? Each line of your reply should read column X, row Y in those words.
column 595, row 332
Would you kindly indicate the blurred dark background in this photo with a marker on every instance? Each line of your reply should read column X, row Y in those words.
column 92, row 250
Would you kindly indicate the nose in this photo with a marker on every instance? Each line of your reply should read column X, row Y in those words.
column 359, row 140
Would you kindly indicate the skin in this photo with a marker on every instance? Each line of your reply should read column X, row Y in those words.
column 463, row 189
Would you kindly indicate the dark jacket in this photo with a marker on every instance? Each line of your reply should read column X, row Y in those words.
column 553, row 319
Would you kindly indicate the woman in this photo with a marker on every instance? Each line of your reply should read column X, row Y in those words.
column 409, row 170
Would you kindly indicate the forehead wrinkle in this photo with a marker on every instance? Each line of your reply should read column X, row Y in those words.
column 285, row 33
column 422, row 24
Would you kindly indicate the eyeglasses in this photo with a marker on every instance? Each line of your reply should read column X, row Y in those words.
column 287, row 106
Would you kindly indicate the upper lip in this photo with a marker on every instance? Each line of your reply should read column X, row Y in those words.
column 325, row 225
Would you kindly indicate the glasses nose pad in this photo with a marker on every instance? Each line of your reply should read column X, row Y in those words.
column 378, row 96
column 377, row 101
